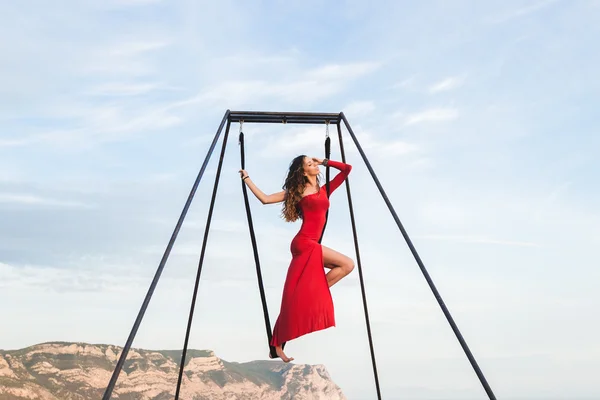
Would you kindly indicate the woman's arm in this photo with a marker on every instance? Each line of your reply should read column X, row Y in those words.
column 262, row 197
column 341, row 176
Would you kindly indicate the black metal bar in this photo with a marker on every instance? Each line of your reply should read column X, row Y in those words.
column 201, row 261
column 284, row 117
column 360, row 273
column 293, row 120
column 289, row 121
column 140, row 316
column 285, row 113
column 437, row 295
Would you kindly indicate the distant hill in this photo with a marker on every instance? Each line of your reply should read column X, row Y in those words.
column 81, row 371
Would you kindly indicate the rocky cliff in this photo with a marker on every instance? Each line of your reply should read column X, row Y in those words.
column 79, row 371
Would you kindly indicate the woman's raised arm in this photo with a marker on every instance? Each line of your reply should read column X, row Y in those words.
column 262, row 197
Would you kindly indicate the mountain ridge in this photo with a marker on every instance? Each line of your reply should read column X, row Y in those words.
column 59, row 370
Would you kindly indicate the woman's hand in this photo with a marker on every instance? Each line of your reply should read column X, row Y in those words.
column 243, row 173
column 319, row 161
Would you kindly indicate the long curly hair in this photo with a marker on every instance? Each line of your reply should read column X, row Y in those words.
column 294, row 188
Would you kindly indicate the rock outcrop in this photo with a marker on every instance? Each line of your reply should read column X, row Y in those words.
column 80, row 371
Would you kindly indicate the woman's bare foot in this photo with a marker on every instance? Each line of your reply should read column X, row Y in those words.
column 282, row 355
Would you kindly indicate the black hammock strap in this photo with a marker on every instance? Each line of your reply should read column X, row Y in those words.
column 255, row 251
column 327, row 155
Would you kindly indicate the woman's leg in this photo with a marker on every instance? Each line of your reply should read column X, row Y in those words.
column 339, row 265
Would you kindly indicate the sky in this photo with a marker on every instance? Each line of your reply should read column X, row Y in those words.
column 479, row 119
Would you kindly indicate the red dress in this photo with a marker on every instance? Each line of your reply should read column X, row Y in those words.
column 306, row 304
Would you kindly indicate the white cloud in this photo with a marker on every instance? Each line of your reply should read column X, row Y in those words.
column 533, row 8
column 446, row 84
column 445, row 212
column 133, row 48
column 551, row 199
column 76, row 116
column 62, row 279
column 100, row 124
column 523, row 11
column 342, row 72
column 121, row 99
column 307, row 139
column 14, row 142
column 431, row 115
column 359, row 109
column 135, row 2
column 9, row 174
column 123, row 89
column 408, row 82
column 304, row 139
column 382, row 148
column 396, row 148
column 128, row 58
column 33, row 200
column 475, row 239
column 116, row 119
column 301, row 89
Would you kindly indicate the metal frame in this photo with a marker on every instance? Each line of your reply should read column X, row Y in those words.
column 293, row 118
column 284, row 117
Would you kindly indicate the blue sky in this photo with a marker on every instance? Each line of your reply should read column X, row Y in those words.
column 479, row 118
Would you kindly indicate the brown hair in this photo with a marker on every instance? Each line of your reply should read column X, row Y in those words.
column 294, row 188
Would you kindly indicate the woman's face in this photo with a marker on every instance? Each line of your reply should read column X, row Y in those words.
column 311, row 168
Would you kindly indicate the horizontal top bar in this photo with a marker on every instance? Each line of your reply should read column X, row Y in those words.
column 284, row 117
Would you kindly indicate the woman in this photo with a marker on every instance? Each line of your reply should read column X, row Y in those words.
column 306, row 304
